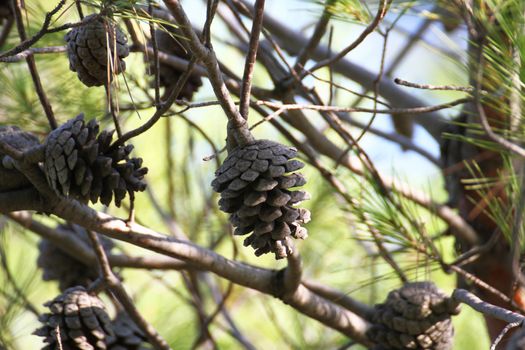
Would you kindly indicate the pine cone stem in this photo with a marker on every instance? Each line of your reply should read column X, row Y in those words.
column 294, row 271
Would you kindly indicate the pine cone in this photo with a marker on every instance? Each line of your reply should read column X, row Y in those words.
column 416, row 316
column 256, row 192
column 87, row 49
column 80, row 164
column 59, row 266
column 11, row 178
column 77, row 320
column 127, row 336
column 168, row 74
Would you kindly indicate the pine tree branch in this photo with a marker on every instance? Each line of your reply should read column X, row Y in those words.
column 293, row 42
column 207, row 56
column 263, row 280
column 251, row 56
column 485, row 308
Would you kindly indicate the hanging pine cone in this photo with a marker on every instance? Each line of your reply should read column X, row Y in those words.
column 91, row 48
column 10, row 178
column 256, row 192
column 80, row 164
column 416, row 316
column 77, row 320
column 59, row 266
column 169, row 75
column 127, row 336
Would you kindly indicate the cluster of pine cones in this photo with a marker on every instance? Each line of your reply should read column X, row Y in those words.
column 416, row 316
column 78, row 320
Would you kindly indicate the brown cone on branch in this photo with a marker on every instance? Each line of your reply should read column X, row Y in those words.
column 416, row 316
column 80, row 163
column 68, row 271
column 77, row 320
column 127, row 336
column 10, row 178
column 91, row 49
column 168, row 75
column 255, row 182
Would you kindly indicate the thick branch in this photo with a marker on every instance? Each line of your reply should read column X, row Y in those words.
column 259, row 279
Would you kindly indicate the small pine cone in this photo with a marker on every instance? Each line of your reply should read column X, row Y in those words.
column 59, row 266
column 80, row 164
column 10, row 178
column 127, row 336
column 77, row 321
column 88, row 46
column 256, row 192
column 168, row 74
column 416, row 316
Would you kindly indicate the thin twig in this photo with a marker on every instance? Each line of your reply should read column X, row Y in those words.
column 165, row 106
column 315, row 39
column 156, row 70
column 26, row 43
column 415, row 110
column 485, row 308
column 48, row 110
column 381, row 12
column 400, row 81
column 251, row 56
column 33, row 51
column 503, row 332
column 207, row 56
column 123, row 297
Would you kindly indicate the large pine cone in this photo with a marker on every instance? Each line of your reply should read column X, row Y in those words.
column 10, row 178
column 79, row 163
column 168, row 74
column 256, row 192
column 91, row 48
column 59, row 266
column 80, row 319
column 127, row 336
column 416, row 316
